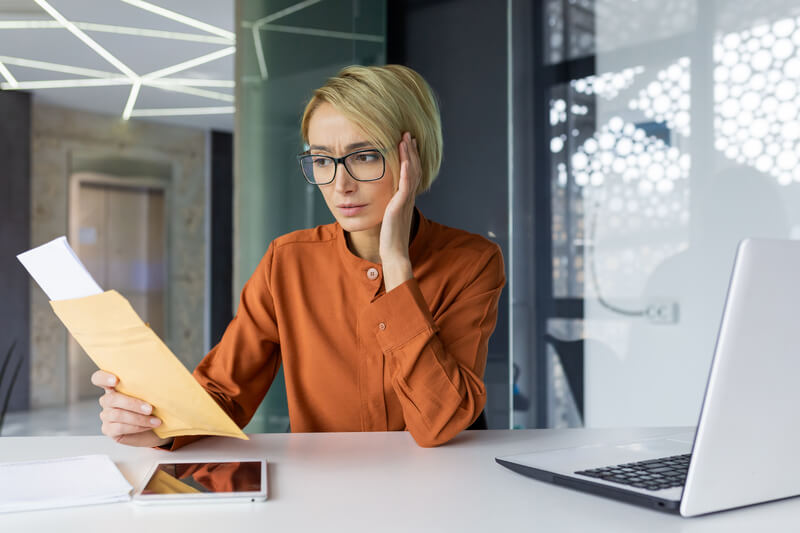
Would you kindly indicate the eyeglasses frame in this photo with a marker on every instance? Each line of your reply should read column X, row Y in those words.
column 340, row 160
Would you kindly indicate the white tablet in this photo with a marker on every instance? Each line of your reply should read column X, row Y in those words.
column 208, row 481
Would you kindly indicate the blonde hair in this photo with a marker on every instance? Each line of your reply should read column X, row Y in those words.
column 386, row 102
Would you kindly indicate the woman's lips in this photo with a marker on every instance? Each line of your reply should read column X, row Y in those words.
column 350, row 210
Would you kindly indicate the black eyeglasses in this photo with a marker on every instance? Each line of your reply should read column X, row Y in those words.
column 362, row 165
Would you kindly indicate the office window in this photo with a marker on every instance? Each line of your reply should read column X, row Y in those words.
column 670, row 132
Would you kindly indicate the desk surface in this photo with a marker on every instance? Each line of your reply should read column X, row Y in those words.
column 378, row 482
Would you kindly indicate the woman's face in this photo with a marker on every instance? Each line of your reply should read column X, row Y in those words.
column 356, row 205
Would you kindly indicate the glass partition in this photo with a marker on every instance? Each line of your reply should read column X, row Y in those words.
column 286, row 49
column 671, row 133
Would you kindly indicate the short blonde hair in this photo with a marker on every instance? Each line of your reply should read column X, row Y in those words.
column 386, row 102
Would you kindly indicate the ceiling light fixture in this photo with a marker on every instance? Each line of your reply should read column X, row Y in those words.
column 66, row 84
column 283, row 12
column 142, row 32
column 12, row 81
column 29, row 25
column 110, row 28
column 157, row 79
column 183, row 19
column 324, row 33
column 262, row 62
column 199, row 82
column 266, row 24
column 191, row 63
column 56, row 67
column 185, row 89
column 256, row 28
column 174, row 112
column 91, row 43
column 80, row 71
column 131, row 100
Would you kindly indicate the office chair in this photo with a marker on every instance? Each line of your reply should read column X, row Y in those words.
column 480, row 422
column 570, row 354
column 10, row 381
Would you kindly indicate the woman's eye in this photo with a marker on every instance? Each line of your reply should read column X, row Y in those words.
column 321, row 162
column 365, row 158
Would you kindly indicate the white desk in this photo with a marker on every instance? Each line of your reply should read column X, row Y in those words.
column 377, row 482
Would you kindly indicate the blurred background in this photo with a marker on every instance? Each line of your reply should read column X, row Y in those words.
column 616, row 150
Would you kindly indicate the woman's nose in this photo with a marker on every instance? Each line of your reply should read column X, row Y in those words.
column 342, row 180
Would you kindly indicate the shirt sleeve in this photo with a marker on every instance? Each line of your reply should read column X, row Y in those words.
column 238, row 371
column 438, row 364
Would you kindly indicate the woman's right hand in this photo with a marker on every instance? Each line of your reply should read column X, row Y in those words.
column 126, row 419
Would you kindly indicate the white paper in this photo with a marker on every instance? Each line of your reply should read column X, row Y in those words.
column 65, row 482
column 58, row 271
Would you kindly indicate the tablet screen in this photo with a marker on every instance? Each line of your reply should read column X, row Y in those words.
column 213, row 478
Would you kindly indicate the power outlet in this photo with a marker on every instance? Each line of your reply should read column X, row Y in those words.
column 663, row 312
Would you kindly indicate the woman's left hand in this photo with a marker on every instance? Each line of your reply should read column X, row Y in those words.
column 398, row 217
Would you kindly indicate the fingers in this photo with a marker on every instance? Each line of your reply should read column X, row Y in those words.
column 113, row 399
column 120, row 416
column 119, row 429
column 407, row 143
column 104, row 379
column 147, row 438
column 402, row 185
column 117, row 422
column 123, row 415
column 409, row 155
column 412, row 148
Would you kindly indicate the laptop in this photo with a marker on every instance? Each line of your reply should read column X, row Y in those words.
column 744, row 450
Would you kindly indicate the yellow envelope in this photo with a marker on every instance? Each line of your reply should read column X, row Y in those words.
column 118, row 341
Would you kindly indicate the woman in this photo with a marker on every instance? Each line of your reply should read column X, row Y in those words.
column 382, row 319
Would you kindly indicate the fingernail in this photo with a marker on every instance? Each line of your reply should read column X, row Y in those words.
column 146, row 408
column 112, row 381
column 155, row 421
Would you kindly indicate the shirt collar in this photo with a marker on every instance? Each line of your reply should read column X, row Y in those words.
column 359, row 265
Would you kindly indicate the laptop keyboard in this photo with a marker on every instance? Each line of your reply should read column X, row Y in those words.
column 655, row 474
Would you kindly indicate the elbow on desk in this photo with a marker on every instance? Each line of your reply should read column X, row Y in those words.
column 430, row 437
column 429, row 440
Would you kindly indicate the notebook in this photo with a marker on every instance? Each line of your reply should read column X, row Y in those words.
column 64, row 482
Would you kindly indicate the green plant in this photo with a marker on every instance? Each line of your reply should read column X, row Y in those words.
column 10, row 382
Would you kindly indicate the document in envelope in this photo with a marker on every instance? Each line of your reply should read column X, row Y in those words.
column 118, row 341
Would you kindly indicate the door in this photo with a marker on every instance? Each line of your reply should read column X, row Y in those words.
column 118, row 229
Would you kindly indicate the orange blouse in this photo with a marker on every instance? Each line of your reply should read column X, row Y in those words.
column 355, row 357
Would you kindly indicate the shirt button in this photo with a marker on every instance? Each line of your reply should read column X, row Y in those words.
column 381, row 326
column 372, row 274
